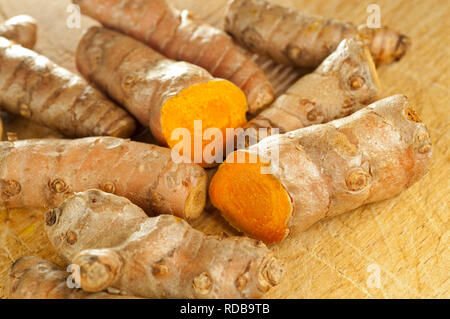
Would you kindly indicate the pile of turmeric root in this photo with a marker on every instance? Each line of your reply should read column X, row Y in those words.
column 118, row 210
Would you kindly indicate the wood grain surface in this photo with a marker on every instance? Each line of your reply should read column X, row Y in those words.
column 398, row 248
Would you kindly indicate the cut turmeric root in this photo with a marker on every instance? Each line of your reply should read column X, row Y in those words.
column 36, row 278
column 21, row 30
column 254, row 200
column 116, row 245
column 345, row 82
column 180, row 36
column 216, row 103
column 36, row 88
column 42, row 173
column 322, row 170
column 161, row 93
column 294, row 38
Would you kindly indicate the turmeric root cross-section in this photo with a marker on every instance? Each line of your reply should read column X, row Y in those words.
column 256, row 203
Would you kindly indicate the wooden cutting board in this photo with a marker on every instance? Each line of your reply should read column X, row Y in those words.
column 398, row 248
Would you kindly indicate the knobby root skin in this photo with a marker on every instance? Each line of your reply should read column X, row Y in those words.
column 294, row 38
column 161, row 93
column 20, row 29
column 156, row 257
column 180, row 36
column 36, row 278
column 34, row 87
column 345, row 82
column 42, row 173
column 325, row 170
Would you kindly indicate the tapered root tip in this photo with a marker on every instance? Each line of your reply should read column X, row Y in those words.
column 98, row 269
column 260, row 98
column 386, row 45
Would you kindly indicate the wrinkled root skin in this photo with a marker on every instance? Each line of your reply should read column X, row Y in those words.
column 385, row 45
column 36, row 278
column 181, row 36
column 157, row 257
column 332, row 168
column 219, row 104
column 294, row 38
column 144, row 173
column 38, row 89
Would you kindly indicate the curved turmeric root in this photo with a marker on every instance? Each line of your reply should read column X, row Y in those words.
column 157, row 257
column 42, row 173
column 36, row 278
column 36, row 88
column 322, row 170
column 180, row 36
column 20, row 29
column 164, row 94
column 294, row 38
column 345, row 82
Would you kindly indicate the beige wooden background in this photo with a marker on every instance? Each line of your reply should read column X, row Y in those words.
column 404, row 240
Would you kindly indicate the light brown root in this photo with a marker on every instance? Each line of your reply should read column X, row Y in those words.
column 36, row 278
column 119, row 247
